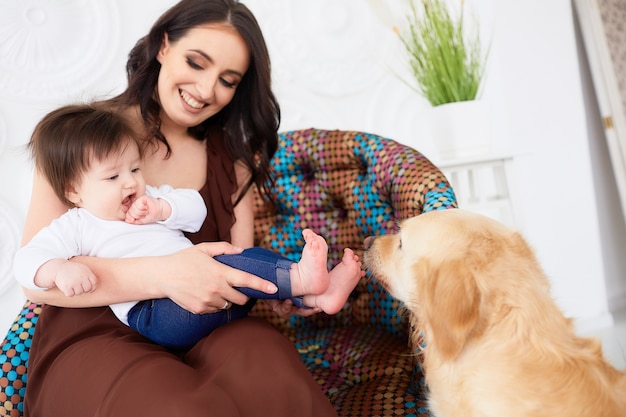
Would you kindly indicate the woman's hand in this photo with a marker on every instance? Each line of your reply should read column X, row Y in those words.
column 200, row 284
column 190, row 277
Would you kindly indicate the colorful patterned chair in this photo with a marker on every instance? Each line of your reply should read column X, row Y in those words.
column 345, row 186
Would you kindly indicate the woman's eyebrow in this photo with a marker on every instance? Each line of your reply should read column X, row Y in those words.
column 204, row 54
column 208, row 58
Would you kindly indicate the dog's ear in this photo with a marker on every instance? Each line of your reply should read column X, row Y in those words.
column 454, row 309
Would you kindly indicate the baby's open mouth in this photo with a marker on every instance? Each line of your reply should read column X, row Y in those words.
column 127, row 202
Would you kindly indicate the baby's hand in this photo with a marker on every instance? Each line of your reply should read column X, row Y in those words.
column 146, row 210
column 75, row 279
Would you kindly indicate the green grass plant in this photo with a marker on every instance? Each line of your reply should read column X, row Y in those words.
column 445, row 58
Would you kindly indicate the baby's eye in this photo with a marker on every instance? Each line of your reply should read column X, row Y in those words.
column 113, row 177
column 135, row 170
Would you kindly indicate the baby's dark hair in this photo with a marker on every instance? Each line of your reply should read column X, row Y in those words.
column 66, row 140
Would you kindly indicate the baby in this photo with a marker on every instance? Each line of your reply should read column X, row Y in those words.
column 93, row 163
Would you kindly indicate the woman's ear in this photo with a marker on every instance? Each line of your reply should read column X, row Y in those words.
column 165, row 44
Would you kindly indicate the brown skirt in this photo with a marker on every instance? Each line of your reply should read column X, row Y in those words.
column 84, row 362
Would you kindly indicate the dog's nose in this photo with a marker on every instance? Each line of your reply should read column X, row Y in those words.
column 367, row 243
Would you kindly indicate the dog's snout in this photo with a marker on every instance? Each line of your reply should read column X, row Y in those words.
column 368, row 242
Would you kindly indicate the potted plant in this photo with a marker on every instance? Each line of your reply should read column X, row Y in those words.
column 448, row 63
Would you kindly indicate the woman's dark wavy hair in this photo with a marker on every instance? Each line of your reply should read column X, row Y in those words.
column 250, row 121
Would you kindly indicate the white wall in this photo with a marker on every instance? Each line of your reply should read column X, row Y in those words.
column 338, row 64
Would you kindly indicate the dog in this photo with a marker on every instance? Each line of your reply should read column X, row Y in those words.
column 496, row 343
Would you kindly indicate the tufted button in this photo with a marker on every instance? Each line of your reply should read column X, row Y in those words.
column 308, row 172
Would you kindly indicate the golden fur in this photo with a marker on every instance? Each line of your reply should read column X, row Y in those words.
column 496, row 342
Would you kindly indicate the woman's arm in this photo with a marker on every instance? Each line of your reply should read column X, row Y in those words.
column 242, row 232
column 192, row 278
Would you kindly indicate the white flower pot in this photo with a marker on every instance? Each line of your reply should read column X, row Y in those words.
column 460, row 130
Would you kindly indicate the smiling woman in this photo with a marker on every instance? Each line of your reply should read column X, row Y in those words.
column 199, row 91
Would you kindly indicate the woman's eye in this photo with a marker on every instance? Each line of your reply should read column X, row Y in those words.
column 227, row 84
column 193, row 64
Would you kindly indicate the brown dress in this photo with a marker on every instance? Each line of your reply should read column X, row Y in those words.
column 85, row 362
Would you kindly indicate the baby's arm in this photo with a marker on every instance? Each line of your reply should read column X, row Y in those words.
column 43, row 263
column 69, row 277
column 188, row 210
column 147, row 209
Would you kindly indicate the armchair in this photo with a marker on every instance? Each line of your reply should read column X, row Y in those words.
column 344, row 185
column 347, row 186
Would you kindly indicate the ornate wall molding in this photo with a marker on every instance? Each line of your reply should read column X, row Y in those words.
column 51, row 50
column 3, row 134
column 344, row 43
column 324, row 46
column 10, row 232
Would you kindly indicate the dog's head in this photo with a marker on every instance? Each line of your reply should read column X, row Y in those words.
column 454, row 270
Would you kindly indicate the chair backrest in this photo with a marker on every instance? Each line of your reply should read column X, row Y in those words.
column 346, row 185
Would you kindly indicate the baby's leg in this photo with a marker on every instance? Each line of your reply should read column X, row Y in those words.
column 166, row 323
column 343, row 279
column 310, row 275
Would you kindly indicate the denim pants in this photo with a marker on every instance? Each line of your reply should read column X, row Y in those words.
column 170, row 325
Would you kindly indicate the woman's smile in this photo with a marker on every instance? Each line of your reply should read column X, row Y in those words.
column 189, row 100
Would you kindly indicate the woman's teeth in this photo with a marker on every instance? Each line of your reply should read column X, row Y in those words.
column 190, row 100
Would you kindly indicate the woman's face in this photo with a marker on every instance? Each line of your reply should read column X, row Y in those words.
column 200, row 73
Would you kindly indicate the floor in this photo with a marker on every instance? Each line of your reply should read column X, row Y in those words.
column 614, row 340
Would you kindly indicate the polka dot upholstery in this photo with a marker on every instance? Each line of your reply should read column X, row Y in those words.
column 345, row 186
column 13, row 359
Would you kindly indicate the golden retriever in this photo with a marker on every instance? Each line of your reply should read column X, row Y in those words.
column 496, row 342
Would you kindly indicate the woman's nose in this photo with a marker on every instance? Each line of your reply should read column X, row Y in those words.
column 206, row 86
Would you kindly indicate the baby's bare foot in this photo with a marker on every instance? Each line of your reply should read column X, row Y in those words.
column 343, row 279
column 310, row 275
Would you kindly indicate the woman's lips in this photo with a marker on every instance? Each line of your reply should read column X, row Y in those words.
column 192, row 102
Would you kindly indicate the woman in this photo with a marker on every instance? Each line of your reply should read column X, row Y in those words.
column 199, row 86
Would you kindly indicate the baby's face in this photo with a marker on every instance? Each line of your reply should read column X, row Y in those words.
column 109, row 187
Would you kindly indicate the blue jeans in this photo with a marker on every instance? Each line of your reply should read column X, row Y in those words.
column 170, row 325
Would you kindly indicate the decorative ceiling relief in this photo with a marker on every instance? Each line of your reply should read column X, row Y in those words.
column 9, row 243
column 341, row 35
column 54, row 50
